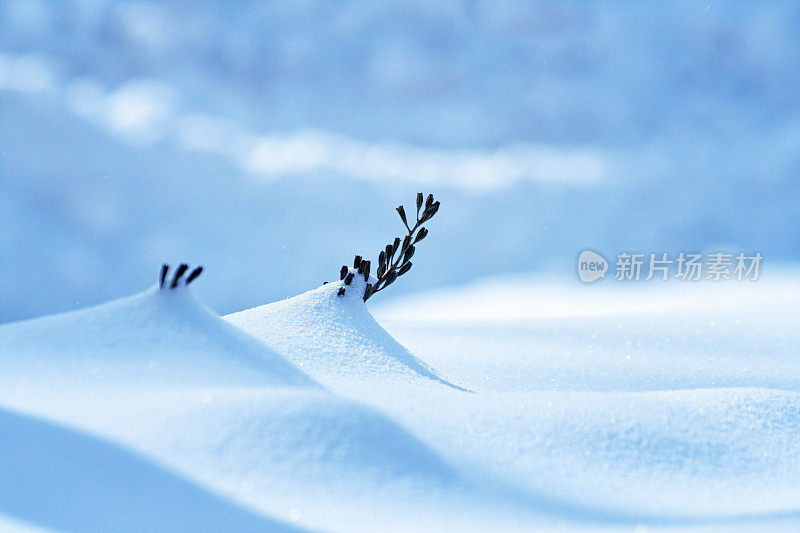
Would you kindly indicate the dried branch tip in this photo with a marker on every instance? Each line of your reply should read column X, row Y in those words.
column 395, row 259
column 176, row 278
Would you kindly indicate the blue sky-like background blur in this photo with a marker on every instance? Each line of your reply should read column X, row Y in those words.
column 271, row 142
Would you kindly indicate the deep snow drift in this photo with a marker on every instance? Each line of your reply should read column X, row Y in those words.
column 333, row 336
column 645, row 403
column 159, row 337
column 69, row 480
column 155, row 389
column 673, row 407
column 665, row 402
column 288, row 454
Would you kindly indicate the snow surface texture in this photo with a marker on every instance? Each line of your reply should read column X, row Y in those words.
column 154, row 390
column 660, row 401
column 670, row 408
column 663, row 405
column 323, row 332
column 158, row 337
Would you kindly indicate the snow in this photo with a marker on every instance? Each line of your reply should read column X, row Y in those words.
column 269, row 139
column 154, row 390
column 322, row 332
column 655, row 404
column 269, row 451
column 673, row 402
column 667, row 407
column 68, row 480
column 152, row 339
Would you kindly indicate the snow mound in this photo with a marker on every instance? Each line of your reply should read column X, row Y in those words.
column 652, row 403
column 279, row 441
column 158, row 380
column 157, row 337
column 69, row 480
column 618, row 338
column 662, row 455
column 329, row 335
column 271, row 449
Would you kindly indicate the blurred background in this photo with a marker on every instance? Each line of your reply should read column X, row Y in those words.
column 271, row 142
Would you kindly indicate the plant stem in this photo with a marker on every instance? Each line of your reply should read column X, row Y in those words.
column 400, row 254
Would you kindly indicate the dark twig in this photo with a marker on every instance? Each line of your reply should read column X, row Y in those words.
column 196, row 272
column 163, row 276
column 395, row 259
column 179, row 272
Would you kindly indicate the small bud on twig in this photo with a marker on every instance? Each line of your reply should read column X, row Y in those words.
column 401, row 210
column 163, row 276
column 196, row 272
column 406, row 243
column 178, row 274
column 431, row 211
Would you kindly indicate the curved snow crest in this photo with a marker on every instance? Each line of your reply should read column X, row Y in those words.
column 268, row 449
column 288, row 438
column 703, row 454
column 327, row 333
column 157, row 337
column 83, row 482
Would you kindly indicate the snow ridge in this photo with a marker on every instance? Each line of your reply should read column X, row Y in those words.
column 328, row 334
column 157, row 337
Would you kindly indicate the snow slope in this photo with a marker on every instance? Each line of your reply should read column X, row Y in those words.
column 676, row 404
column 333, row 336
column 293, row 454
column 669, row 407
column 155, row 338
column 156, row 390
column 68, row 480
column 663, row 405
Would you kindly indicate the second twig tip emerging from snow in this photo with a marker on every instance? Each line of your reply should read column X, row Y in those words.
column 179, row 272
